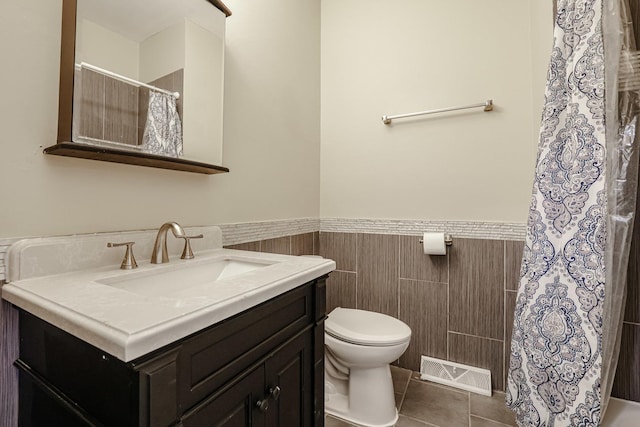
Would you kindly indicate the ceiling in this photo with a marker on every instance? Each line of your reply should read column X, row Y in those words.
column 139, row 19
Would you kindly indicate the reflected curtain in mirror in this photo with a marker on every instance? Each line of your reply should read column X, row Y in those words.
column 163, row 128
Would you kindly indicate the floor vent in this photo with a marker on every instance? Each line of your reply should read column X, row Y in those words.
column 468, row 378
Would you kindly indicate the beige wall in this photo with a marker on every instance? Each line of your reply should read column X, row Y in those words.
column 420, row 55
column 541, row 19
column 162, row 53
column 103, row 48
column 203, row 94
column 375, row 60
column 271, row 132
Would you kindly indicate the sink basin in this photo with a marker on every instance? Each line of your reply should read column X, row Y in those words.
column 170, row 281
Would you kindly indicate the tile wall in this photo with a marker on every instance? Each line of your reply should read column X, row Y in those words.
column 108, row 109
column 113, row 110
column 459, row 306
column 455, row 304
column 627, row 381
column 298, row 244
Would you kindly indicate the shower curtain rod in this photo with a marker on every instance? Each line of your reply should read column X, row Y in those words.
column 488, row 106
column 125, row 79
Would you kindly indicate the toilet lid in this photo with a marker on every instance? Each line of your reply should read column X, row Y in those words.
column 366, row 327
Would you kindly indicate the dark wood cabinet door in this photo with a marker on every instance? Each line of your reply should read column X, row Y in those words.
column 209, row 360
column 234, row 407
column 289, row 383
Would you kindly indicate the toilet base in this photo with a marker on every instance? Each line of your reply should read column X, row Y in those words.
column 366, row 398
column 337, row 405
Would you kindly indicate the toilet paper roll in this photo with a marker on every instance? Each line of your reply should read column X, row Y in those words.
column 433, row 244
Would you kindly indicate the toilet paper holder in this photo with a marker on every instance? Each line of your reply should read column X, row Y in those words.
column 448, row 240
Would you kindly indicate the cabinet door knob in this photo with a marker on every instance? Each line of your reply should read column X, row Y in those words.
column 263, row 405
column 274, row 392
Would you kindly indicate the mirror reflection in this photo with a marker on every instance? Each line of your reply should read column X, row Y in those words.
column 149, row 77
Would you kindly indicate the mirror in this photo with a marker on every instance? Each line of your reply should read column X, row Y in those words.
column 141, row 82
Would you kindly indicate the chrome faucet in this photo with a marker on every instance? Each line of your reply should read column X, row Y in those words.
column 161, row 240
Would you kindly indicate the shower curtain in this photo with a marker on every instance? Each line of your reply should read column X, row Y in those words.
column 571, row 292
column 163, row 129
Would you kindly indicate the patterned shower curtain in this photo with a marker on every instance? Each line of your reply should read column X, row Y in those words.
column 556, row 349
column 163, row 129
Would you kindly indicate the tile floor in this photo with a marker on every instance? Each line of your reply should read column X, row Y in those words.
column 426, row 404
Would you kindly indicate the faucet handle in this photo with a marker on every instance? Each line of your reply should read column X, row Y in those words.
column 129, row 261
column 187, row 253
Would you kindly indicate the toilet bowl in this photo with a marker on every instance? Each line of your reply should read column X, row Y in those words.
column 359, row 345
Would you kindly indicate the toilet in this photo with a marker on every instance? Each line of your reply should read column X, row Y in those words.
column 359, row 345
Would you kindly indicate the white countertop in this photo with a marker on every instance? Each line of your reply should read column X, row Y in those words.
column 128, row 325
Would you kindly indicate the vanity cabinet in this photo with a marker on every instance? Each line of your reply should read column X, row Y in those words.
column 261, row 367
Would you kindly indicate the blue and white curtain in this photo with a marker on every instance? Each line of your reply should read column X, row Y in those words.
column 163, row 129
column 556, row 350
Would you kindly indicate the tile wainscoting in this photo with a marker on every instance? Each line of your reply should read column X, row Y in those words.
column 455, row 304
column 459, row 306
column 381, row 267
column 297, row 244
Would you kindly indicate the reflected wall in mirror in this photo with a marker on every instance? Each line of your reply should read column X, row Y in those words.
column 146, row 78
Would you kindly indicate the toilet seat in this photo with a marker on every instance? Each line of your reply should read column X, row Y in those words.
column 366, row 328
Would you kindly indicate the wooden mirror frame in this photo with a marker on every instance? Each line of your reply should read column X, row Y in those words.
column 66, row 147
